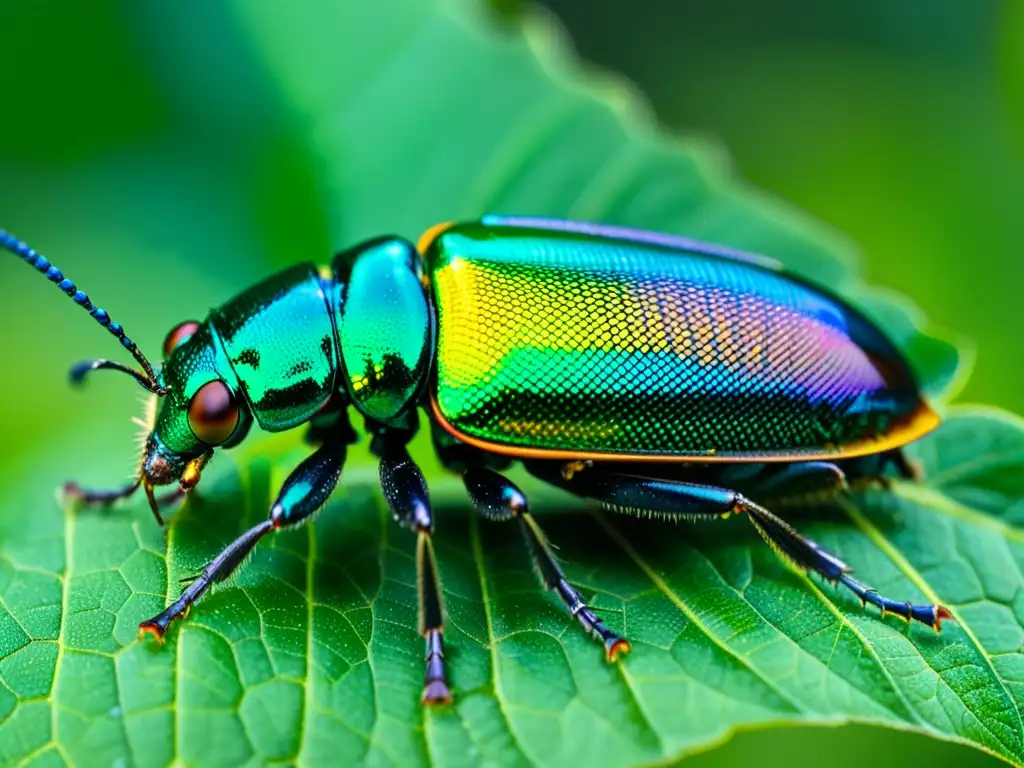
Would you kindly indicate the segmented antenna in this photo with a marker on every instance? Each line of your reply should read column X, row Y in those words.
column 148, row 379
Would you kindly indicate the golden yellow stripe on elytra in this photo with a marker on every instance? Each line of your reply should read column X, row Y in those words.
column 566, row 430
column 491, row 312
column 538, row 313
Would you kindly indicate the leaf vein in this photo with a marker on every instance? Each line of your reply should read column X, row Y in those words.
column 844, row 622
column 982, row 462
column 492, row 644
column 689, row 612
column 69, row 538
column 944, row 505
column 879, row 539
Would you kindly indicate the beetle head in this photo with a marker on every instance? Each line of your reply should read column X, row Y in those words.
column 195, row 407
column 201, row 406
column 201, row 409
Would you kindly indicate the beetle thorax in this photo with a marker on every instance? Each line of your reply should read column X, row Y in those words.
column 385, row 327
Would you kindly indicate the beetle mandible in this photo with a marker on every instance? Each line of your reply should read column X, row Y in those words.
column 651, row 373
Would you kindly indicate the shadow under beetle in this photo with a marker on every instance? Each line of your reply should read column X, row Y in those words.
column 651, row 373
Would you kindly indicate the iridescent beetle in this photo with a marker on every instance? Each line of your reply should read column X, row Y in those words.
column 648, row 372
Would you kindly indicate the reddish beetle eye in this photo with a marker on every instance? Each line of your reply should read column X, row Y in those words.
column 179, row 335
column 213, row 413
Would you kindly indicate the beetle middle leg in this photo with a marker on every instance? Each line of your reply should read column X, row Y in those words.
column 405, row 490
column 497, row 498
column 683, row 500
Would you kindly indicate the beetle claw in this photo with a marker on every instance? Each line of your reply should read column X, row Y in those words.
column 942, row 614
column 151, row 497
column 617, row 648
column 158, row 625
column 152, row 628
column 435, row 693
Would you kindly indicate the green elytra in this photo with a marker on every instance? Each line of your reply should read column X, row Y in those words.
column 645, row 371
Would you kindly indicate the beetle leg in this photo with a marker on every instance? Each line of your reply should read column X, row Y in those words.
column 679, row 500
column 804, row 553
column 871, row 469
column 73, row 492
column 406, row 494
column 907, row 468
column 331, row 423
column 647, row 496
column 303, row 493
column 497, row 498
column 801, row 482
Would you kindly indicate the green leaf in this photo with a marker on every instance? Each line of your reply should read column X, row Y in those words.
column 421, row 115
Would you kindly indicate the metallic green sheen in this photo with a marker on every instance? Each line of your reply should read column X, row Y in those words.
column 556, row 336
column 195, row 362
column 384, row 326
column 279, row 339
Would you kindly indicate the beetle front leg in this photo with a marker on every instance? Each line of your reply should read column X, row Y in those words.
column 497, row 498
column 680, row 500
column 73, row 492
column 406, row 492
column 303, row 493
column 331, row 423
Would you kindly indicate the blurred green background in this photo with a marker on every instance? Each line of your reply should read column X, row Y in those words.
column 900, row 124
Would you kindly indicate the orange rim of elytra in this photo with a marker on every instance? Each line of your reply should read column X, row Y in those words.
column 430, row 235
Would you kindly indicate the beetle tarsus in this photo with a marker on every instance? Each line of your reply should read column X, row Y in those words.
column 435, row 687
column 154, row 629
column 932, row 615
column 179, row 609
column 614, row 648
column 942, row 614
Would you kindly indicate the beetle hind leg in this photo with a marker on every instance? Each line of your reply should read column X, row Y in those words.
column 804, row 553
column 497, row 498
column 680, row 500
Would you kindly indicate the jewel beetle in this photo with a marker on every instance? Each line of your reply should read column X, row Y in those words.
column 650, row 373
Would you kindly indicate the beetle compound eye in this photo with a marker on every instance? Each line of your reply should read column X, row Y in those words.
column 213, row 413
column 179, row 335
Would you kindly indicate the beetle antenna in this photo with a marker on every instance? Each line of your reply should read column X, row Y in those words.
column 147, row 377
